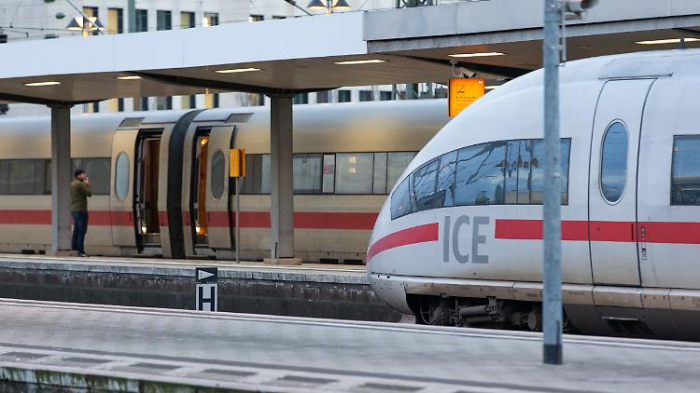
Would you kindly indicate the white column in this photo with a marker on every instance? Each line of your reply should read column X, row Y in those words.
column 281, row 181
column 61, row 176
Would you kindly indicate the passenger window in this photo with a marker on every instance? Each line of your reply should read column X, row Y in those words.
column 401, row 200
column 26, row 177
column 613, row 165
column 4, row 177
column 354, row 173
column 98, row 170
column 218, row 174
column 121, row 183
column 424, row 186
column 685, row 174
column 396, row 164
column 480, row 174
column 445, row 192
column 329, row 173
column 307, row 173
column 531, row 172
column 379, row 178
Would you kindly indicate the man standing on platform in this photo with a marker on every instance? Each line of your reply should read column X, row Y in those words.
column 79, row 193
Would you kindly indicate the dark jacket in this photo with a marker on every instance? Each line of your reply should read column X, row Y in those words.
column 79, row 193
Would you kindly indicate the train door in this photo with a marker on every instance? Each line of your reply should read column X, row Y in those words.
column 198, row 191
column 612, row 209
column 121, row 208
column 217, row 199
column 145, row 202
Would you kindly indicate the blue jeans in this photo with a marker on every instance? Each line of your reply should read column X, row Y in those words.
column 80, row 220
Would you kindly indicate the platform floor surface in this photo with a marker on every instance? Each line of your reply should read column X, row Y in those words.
column 328, row 269
column 296, row 354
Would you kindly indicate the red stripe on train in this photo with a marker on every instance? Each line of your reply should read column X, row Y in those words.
column 604, row 231
column 414, row 235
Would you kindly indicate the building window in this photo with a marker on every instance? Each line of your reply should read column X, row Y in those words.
column 256, row 18
column 141, row 21
column 210, row 19
column 344, row 96
column 91, row 107
column 164, row 20
column 164, row 103
column 385, row 96
column 115, row 21
column 188, row 102
column 187, row 20
column 276, row 17
column 301, row 98
column 141, row 104
column 613, row 164
column 323, row 97
column 90, row 12
column 366, row 95
column 211, row 100
column 120, row 105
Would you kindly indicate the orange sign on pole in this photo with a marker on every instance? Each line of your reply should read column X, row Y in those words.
column 237, row 163
column 463, row 92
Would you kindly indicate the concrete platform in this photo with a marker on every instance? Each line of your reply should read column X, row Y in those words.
column 130, row 349
column 325, row 291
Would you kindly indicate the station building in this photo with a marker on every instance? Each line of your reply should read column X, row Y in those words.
column 38, row 20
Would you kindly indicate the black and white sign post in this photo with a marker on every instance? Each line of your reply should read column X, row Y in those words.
column 207, row 291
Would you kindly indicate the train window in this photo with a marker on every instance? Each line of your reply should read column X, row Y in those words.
column 401, row 200
column 353, row 173
column 424, row 185
column 511, row 172
column 565, row 151
column 218, row 174
column 445, row 191
column 396, row 164
column 613, row 165
column 307, row 173
column 379, row 178
column 480, row 174
column 26, row 177
column 329, row 173
column 685, row 175
column 4, row 177
column 98, row 170
column 531, row 172
column 121, row 181
column 257, row 180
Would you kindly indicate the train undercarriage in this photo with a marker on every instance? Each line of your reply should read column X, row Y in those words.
column 479, row 313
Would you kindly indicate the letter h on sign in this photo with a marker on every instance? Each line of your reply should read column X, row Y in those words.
column 207, row 289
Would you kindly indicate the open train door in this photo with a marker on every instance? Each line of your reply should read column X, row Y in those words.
column 121, row 197
column 218, row 197
column 613, row 182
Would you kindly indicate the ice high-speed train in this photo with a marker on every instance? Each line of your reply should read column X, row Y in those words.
column 160, row 180
column 459, row 241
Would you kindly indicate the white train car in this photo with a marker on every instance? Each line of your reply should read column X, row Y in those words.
column 161, row 187
column 460, row 239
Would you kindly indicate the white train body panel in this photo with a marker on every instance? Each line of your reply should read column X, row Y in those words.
column 626, row 245
column 156, row 213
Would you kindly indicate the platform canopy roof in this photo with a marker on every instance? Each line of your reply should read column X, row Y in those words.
column 312, row 53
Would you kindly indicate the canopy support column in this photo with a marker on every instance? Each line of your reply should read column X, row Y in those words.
column 281, row 181
column 61, row 176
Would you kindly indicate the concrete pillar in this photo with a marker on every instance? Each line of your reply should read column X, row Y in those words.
column 61, row 176
column 281, row 181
